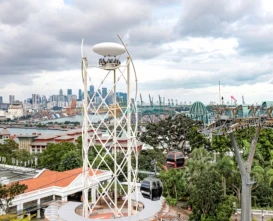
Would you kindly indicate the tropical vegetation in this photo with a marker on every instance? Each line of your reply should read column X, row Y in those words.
column 210, row 183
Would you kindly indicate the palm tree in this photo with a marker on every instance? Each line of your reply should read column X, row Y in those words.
column 226, row 167
column 200, row 159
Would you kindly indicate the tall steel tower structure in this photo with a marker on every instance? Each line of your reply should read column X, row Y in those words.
column 109, row 132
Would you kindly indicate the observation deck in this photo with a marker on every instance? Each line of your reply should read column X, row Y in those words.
column 66, row 211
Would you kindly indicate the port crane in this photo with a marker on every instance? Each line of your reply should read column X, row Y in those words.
column 151, row 101
column 141, row 101
column 160, row 102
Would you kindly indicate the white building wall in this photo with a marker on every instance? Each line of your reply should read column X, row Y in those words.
column 3, row 113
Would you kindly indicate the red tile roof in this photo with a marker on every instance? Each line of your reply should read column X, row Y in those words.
column 54, row 178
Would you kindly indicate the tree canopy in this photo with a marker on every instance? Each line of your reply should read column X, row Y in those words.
column 55, row 156
column 170, row 133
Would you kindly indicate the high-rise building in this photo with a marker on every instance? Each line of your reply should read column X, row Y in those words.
column 29, row 100
column 104, row 92
column 121, row 97
column 11, row 99
column 98, row 93
column 53, row 98
column 80, row 95
column 61, row 92
column 69, row 91
column 91, row 89
column 62, row 98
column 1, row 99
column 35, row 99
column 44, row 99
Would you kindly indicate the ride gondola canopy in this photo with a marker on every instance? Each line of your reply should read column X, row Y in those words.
column 151, row 188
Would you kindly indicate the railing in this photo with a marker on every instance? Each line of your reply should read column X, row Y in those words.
column 259, row 212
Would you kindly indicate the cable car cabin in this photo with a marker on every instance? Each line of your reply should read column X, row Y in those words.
column 151, row 188
column 175, row 160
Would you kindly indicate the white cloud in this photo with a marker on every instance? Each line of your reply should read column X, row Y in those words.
column 181, row 49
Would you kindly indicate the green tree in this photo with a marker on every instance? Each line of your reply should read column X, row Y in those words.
column 8, row 192
column 174, row 185
column 225, row 209
column 197, row 139
column 146, row 156
column 200, row 160
column 225, row 167
column 206, row 194
column 170, row 133
column 8, row 147
column 265, row 144
column 51, row 157
column 70, row 160
column 221, row 144
column 22, row 155
column 262, row 196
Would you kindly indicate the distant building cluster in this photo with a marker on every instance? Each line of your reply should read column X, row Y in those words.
column 16, row 109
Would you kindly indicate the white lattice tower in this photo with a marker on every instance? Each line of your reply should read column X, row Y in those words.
column 115, row 151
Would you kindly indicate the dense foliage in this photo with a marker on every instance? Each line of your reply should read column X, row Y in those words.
column 170, row 133
column 56, row 155
column 211, row 182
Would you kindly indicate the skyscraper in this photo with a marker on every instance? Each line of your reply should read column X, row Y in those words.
column 35, row 99
column 61, row 92
column 91, row 89
column 69, row 91
column 80, row 95
column 1, row 99
column 104, row 92
column 11, row 99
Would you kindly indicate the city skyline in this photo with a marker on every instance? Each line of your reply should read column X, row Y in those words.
column 66, row 96
column 181, row 49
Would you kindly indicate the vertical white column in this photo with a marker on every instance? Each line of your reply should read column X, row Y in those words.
column 20, row 210
column 85, row 143
column 64, row 199
column 93, row 195
column 129, row 150
column 38, row 211
column 115, row 145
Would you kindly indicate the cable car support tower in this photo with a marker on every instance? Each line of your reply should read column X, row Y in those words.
column 227, row 125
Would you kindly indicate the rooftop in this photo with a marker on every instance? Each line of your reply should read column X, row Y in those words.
column 53, row 178
column 15, row 175
column 46, row 137
column 27, row 136
column 64, row 138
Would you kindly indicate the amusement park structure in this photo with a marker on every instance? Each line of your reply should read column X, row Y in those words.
column 228, row 121
column 109, row 152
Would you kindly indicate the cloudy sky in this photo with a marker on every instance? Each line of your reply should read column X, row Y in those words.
column 181, row 48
